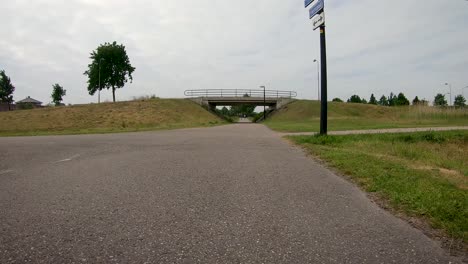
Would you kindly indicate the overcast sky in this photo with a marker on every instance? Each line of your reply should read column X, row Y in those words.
column 374, row 46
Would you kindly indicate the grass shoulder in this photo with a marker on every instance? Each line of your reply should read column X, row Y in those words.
column 423, row 175
column 304, row 116
column 132, row 116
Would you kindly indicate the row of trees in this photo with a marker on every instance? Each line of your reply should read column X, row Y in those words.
column 7, row 89
column 401, row 100
column 440, row 100
column 238, row 110
column 110, row 69
column 391, row 100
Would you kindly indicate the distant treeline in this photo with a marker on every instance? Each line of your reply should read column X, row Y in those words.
column 401, row 100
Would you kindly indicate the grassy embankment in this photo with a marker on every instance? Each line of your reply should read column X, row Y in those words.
column 420, row 174
column 304, row 116
column 143, row 115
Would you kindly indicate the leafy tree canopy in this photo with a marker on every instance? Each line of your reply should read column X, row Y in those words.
column 355, row 99
column 372, row 100
column 383, row 101
column 401, row 100
column 460, row 101
column 440, row 100
column 57, row 94
column 242, row 109
column 225, row 111
column 392, row 99
column 416, row 101
column 6, row 89
column 110, row 68
column 337, row 100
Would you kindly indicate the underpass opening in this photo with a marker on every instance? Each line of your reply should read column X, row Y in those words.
column 243, row 104
column 241, row 113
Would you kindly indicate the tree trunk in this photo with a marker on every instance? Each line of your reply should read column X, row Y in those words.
column 113, row 93
column 9, row 106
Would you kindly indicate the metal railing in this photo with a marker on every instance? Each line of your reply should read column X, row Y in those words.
column 239, row 93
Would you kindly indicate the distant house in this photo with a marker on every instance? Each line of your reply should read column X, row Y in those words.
column 28, row 103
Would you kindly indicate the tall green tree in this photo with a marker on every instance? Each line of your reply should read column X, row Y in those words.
column 392, row 99
column 383, row 101
column 355, row 99
column 372, row 100
column 57, row 94
column 416, row 101
column 110, row 68
column 6, row 89
column 401, row 100
column 460, row 101
column 440, row 100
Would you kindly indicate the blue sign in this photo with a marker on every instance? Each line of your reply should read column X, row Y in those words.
column 317, row 8
column 307, row 2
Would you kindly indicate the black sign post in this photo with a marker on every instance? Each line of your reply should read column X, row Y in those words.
column 317, row 13
column 324, row 103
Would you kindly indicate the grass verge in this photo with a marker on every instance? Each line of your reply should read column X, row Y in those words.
column 304, row 116
column 423, row 175
column 144, row 115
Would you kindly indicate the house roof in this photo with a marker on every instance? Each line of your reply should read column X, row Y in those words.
column 29, row 100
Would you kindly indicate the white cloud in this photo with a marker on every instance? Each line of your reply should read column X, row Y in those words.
column 373, row 46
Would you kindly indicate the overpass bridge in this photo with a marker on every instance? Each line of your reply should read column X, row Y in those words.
column 229, row 97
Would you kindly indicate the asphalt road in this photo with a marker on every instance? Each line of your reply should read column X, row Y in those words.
column 229, row 194
column 244, row 120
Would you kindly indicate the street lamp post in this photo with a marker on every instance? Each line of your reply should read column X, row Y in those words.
column 450, row 86
column 264, row 102
column 318, row 79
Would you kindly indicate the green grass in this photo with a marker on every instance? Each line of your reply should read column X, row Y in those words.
column 422, row 174
column 304, row 116
column 143, row 115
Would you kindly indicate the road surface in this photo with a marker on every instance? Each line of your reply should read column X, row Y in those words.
column 244, row 120
column 229, row 194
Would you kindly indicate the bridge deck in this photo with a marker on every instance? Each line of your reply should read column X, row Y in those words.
column 216, row 97
column 241, row 100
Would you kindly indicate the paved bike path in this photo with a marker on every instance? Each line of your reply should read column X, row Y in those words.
column 228, row 194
